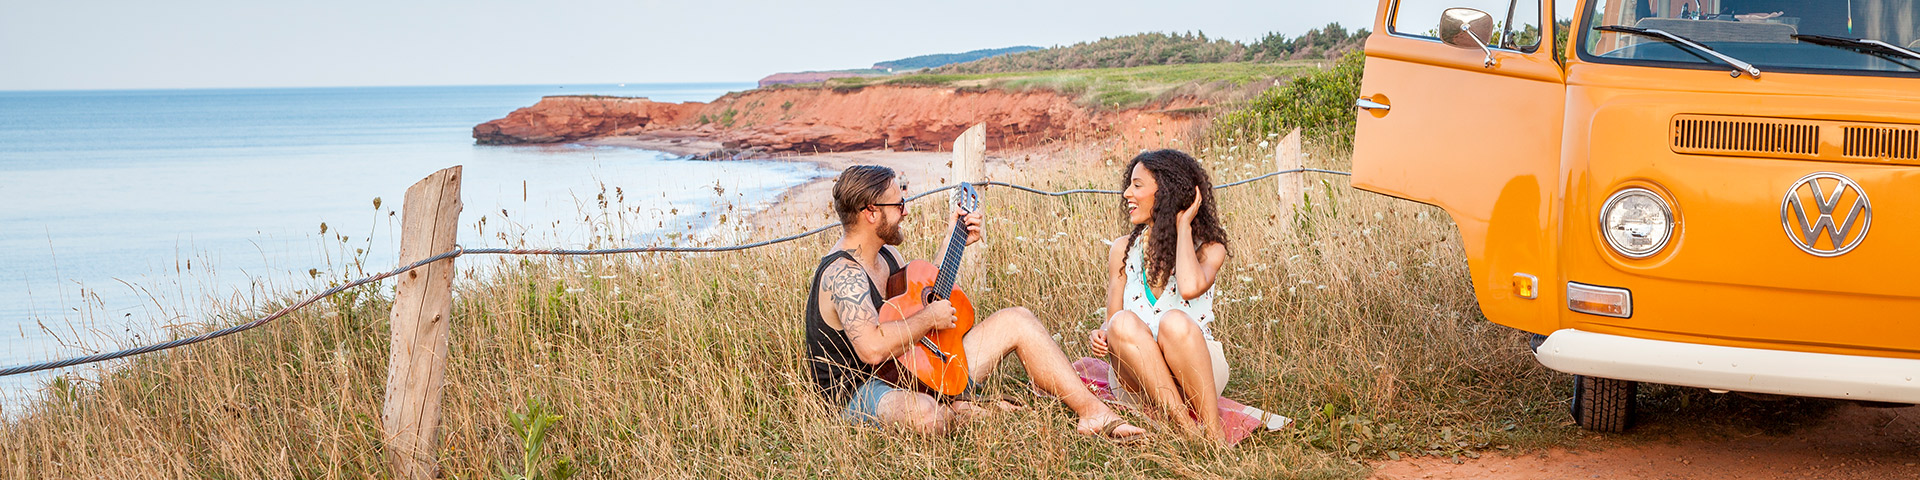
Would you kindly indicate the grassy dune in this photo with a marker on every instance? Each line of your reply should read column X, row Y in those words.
column 1353, row 315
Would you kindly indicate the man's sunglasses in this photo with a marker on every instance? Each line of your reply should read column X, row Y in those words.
column 902, row 203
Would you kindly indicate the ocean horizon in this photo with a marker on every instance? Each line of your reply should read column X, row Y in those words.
column 131, row 212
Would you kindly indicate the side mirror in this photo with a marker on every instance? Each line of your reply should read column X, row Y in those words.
column 1467, row 28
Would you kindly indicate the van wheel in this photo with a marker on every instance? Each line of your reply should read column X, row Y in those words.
column 1603, row 404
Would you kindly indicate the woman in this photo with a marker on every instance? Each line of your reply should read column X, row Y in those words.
column 1160, row 286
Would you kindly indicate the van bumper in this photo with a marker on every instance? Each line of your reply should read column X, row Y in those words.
column 1752, row 370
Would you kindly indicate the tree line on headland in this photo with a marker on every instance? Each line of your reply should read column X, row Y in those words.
column 1155, row 48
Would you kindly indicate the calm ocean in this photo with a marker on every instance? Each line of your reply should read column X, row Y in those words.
column 124, row 212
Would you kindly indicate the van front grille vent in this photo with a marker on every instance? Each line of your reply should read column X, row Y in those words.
column 1882, row 143
column 1728, row 136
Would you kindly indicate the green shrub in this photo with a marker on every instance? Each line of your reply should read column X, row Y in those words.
column 1321, row 103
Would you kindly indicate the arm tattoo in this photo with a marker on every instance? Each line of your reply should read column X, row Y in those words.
column 852, row 298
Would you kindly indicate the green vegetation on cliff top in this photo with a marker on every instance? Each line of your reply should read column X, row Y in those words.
column 1109, row 87
column 1147, row 49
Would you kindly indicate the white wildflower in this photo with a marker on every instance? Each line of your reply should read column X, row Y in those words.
column 1254, row 298
column 1013, row 269
column 1319, row 287
column 1245, row 278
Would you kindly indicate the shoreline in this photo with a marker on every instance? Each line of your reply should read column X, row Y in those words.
column 808, row 204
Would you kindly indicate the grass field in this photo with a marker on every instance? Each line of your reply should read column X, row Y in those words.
column 1353, row 315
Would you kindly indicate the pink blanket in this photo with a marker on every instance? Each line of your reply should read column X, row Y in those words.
column 1237, row 424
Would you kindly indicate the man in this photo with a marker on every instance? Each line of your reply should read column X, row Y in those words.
column 847, row 346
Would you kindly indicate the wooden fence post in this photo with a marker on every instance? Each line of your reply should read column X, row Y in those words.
column 970, row 165
column 1292, row 186
column 422, row 310
column 970, row 155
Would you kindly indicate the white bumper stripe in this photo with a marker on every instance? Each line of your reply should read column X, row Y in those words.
column 1729, row 368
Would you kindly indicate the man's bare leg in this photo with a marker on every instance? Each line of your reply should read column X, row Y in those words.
column 1184, row 347
column 1017, row 331
column 915, row 412
column 1138, row 359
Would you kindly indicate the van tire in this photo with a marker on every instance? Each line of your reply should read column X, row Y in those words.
column 1603, row 404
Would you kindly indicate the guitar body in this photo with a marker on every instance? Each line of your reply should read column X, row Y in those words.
column 943, row 374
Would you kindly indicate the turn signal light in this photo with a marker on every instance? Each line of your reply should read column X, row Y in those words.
column 1608, row 301
column 1526, row 286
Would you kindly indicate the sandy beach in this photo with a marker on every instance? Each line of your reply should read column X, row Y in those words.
column 809, row 204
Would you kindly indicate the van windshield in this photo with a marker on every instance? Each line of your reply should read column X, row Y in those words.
column 1761, row 32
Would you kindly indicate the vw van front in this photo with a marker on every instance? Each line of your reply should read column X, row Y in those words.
column 1712, row 193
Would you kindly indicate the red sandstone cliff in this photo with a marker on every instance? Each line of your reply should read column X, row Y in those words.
column 567, row 118
column 823, row 119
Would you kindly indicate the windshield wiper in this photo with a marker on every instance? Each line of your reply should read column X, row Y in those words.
column 1738, row 66
column 1862, row 44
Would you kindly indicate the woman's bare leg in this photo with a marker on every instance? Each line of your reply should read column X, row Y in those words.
column 1017, row 331
column 1184, row 347
column 1138, row 359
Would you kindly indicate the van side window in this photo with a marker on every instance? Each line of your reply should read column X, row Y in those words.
column 1516, row 23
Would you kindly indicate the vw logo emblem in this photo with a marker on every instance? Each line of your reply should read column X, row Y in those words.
column 1826, row 214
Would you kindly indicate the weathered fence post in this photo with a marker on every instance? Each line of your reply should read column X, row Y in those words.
column 1292, row 186
column 970, row 155
column 970, row 165
column 422, row 310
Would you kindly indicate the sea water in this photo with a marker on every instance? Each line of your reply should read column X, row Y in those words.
column 123, row 213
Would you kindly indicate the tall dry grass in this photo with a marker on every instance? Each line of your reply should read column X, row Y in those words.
column 1353, row 315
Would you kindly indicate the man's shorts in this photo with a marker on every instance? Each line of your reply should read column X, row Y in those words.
column 865, row 405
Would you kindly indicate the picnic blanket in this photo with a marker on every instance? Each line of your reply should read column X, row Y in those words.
column 1237, row 420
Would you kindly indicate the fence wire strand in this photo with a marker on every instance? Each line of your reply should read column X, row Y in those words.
column 458, row 251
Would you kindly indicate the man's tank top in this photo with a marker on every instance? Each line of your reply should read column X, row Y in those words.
column 836, row 369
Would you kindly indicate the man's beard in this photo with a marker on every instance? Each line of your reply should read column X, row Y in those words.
column 890, row 234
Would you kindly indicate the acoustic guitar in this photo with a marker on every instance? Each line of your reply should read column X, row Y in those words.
column 938, row 359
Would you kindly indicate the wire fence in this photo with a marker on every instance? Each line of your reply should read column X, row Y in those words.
column 458, row 251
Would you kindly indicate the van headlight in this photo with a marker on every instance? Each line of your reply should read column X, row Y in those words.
column 1636, row 222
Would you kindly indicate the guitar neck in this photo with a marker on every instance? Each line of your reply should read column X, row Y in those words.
column 950, row 260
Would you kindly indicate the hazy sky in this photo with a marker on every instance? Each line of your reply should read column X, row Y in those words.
column 94, row 44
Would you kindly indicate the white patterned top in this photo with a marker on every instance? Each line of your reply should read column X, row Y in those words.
column 1136, row 300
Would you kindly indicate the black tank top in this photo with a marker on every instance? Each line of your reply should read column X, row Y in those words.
column 836, row 369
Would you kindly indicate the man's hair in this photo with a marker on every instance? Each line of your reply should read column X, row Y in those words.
column 858, row 187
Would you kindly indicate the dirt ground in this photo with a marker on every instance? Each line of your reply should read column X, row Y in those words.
column 1712, row 436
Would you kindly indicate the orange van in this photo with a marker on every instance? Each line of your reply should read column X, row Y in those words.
column 1721, row 194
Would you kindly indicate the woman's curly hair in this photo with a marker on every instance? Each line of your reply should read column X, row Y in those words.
column 1177, row 174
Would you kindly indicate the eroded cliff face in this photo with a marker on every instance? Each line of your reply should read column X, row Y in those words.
column 567, row 118
column 825, row 120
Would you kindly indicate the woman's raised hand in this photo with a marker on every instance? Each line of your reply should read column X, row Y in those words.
column 1192, row 211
